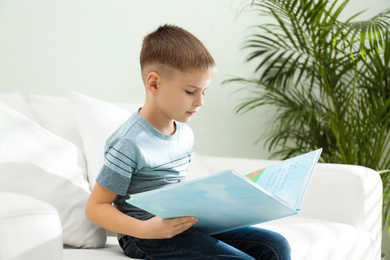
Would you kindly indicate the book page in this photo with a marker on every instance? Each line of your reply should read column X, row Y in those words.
column 288, row 179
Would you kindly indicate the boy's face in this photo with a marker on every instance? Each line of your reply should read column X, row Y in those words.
column 181, row 94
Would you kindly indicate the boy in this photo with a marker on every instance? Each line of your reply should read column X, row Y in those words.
column 153, row 148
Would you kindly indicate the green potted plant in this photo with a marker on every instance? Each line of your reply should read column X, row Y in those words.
column 328, row 80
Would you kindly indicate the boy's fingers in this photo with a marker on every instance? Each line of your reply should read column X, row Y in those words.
column 184, row 220
column 186, row 223
column 173, row 226
column 183, row 224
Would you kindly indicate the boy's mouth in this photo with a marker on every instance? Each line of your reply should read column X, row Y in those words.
column 191, row 113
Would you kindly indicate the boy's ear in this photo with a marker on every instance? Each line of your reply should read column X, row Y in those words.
column 153, row 82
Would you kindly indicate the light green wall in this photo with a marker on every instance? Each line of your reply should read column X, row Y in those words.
column 92, row 46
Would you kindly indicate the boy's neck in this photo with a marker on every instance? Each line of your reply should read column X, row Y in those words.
column 167, row 127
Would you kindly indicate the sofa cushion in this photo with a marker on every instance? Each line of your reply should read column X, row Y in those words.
column 323, row 240
column 39, row 164
column 16, row 101
column 111, row 251
column 32, row 223
column 55, row 114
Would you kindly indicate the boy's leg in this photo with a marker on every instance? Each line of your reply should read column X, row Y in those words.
column 191, row 244
column 258, row 243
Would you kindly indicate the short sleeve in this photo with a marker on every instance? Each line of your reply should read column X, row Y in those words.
column 120, row 162
column 113, row 181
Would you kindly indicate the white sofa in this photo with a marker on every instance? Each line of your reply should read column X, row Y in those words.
column 51, row 151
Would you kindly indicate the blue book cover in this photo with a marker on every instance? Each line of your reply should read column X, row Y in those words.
column 230, row 200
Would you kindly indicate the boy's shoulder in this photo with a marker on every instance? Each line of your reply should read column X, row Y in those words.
column 135, row 127
column 124, row 128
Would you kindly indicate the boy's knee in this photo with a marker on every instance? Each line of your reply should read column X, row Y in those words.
column 282, row 248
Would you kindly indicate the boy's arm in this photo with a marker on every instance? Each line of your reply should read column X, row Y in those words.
column 100, row 210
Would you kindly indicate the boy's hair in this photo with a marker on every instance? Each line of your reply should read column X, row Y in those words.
column 173, row 46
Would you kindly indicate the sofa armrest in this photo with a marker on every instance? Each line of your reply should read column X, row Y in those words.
column 340, row 193
column 345, row 193
column 30, row 229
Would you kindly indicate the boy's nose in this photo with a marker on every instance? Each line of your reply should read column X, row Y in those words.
column 199, row 100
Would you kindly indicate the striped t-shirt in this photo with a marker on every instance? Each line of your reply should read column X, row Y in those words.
column 139, row 158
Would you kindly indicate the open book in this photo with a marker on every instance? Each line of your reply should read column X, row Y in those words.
column 230, row 200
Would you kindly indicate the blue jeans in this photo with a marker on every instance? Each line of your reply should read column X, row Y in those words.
column 244, row 243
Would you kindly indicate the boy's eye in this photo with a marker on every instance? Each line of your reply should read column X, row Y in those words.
column 193, row 92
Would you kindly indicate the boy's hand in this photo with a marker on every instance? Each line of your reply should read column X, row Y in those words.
column 159, row 228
